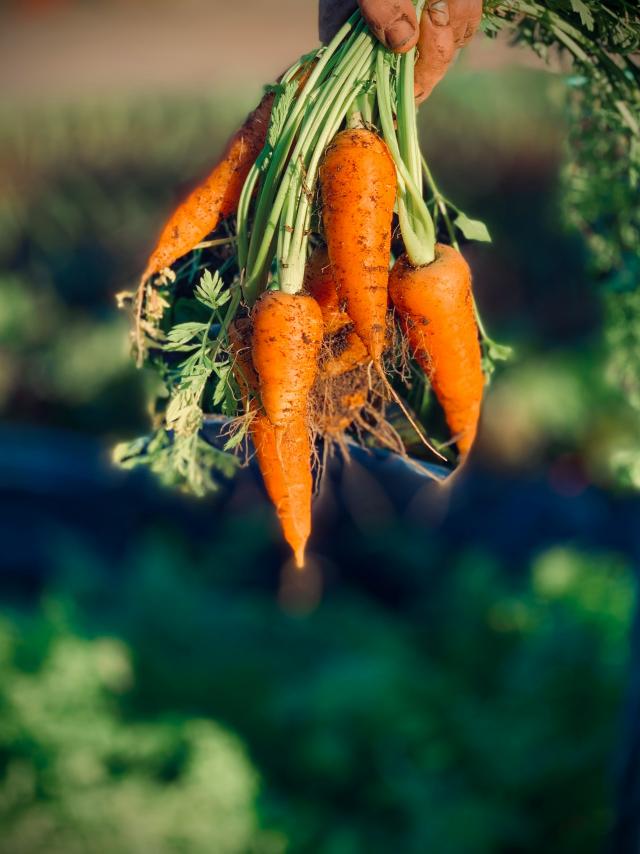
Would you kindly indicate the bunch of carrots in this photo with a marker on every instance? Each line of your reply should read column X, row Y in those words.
column 324, row 179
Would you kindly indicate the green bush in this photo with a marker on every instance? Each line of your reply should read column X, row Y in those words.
column 480, row 721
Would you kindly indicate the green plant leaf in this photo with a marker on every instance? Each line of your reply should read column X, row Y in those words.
column 236, row 438
column 126, row 454
column 184, row 335
column 583, row 10
column 219, row 393
column 281, row 112
column 209, row 290
column 473, row 229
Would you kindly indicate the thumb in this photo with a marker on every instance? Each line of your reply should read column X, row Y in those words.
column 393, row 22
column 436, row 49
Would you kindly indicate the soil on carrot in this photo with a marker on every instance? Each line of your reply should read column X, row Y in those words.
column 353, row 403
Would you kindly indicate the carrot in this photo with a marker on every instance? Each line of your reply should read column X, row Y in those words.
column 287, row 335
column 217, row 197
column 286, row 339
column 320, row 283
column 281, row 459
column 358, row 183
column 284, row 461
column 349, row 353
column 435, row 306
column 347, row 349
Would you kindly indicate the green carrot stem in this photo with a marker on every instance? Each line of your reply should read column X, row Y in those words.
column 326, row 126
column 308, row 126
column 576, row 42
column 366, row 102
column 326, row 60
column 384, row 102
column 258, row 167
column 243, row 216
column 498, row 351
column 315, row 120
column 416, row 224
column 407, row 125
column 441, row 203
column 219, row 241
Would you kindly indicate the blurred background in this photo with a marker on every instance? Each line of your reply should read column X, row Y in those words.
column 450, row 674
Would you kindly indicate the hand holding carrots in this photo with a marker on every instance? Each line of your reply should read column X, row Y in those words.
column 446, row 26
column 300, row 296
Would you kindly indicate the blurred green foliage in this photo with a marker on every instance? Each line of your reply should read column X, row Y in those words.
column 602, row 170
column 81, row 777
column 478, row 720
column 85, row 187
column 169, row 703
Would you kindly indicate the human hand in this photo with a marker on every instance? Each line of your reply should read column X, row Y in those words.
column 446, row 25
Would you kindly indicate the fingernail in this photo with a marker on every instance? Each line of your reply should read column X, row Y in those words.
column 439, row 13
column 398, row 34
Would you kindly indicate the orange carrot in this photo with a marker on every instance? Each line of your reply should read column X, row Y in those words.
column 320, row 282
column 347, row 355
column 287, row 335
column 435, row 306
column 348, row 351
column 217, row 197
column 219, row 194
column 281, row 459
column 285, row 465
column 358, row 183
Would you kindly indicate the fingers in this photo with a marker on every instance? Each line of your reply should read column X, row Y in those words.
column 393, row 22
column 438, row 11
column 446, row 26
column 465, row 17
column 436, row 49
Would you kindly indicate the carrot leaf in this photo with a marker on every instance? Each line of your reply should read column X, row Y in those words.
column 473, row 229
column 209, row 291
column 584, row 12
column 280, row 112
column 190, row 464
